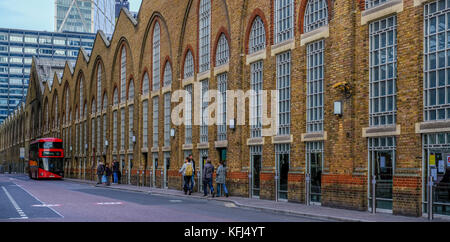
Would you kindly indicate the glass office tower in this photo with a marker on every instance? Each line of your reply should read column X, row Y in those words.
column 85, row 16
column 17, row 47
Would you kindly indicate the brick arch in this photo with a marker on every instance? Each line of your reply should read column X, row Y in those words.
column 256, row 13
column 222, row 30
column 301, row 15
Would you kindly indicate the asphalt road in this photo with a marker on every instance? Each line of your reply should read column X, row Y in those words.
column 22, row 199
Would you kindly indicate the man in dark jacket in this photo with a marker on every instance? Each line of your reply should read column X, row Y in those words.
column 100, row 171
column 108, row 173
column 208, row 172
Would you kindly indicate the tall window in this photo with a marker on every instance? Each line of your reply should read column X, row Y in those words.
column 284, row 20
column 67, row 106
column 99, row 86
column 223, row 51
column 105, row 124
column 167, row 119
column 116, row 97
column 222, row 83
column 130, row 128
column 315, row 83
column 81, row 95
column 188, row 118
column 257, row 40
column 145, row 124
column 316, row 15
column 115, row 119
column 383, row 71
column 123, row 75
column 284, row 92
column 205, row 30
column 145, row 85
column 122, row 129
column 189, row 65
column 256, row 85
column 204, row 126
column 374, row 3
column 156, row 58
column 168, row 75
column 437, row 61
column 155, row 121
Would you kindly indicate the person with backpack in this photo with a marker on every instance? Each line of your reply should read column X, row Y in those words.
column 221, row 179
column 116, row 171
column 100, row 171
column 108, row 173
column 188, row 171
column 191, row 158
column 208, row 172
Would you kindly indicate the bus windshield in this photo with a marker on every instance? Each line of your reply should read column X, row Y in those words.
column 53, row 165
column 51, row 145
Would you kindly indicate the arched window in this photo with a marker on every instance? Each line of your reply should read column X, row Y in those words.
column 99, row 86
column 205, row 30
column 168, row 74
column 223, row 51
column 145, row 85
column 81, row 95
column 156, row 58
column 116, row 97
column 131, row 92
column 189, row 65
column 316, row 15
column 284, row 20
column 67, row 105
column 105, row 102
column 257, row 40
column 123, row 74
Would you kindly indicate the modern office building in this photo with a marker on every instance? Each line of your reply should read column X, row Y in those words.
column 119, row 5
column 17, row 48
column 85, row 16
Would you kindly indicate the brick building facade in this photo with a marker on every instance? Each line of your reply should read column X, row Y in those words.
column 381, row 63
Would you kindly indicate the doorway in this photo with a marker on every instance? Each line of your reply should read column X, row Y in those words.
column 166, row 170
column 255, row 166
column 381, row 168
column 314, row 167
column 282, row 152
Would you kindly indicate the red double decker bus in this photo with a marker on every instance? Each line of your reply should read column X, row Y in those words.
column 46, row 159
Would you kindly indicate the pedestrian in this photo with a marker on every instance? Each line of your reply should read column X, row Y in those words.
column 193, row 175
column 208, row 172
column 108, row 173
column 100, row 172
column 221, row 179
column 188, row 171
column 116, row 171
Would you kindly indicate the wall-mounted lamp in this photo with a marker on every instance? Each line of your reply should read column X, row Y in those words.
column 106, row 143
column 232, row 124
column 338, row 108
column 172, row 133
column 134, row 139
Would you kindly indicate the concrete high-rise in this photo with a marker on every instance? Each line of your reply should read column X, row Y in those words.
column 85, row 16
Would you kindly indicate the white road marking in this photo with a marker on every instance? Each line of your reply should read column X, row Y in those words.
column 176, row 201
column 14, row 203
column 110, row 203
column 47, row 205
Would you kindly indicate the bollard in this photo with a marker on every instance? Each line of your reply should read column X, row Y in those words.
column 308, row 186
column 374, row 198
column 430, row 198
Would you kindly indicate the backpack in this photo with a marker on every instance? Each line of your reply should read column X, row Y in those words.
column 189, row 169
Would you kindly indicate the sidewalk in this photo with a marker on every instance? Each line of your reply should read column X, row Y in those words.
column 288, row 208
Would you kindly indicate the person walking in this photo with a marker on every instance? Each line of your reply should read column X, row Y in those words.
column 108, row 173
column 221, row 179
column 116, row 171
column 191, row 158
column 208, row 172
column 100, row 172
column 187, row 170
